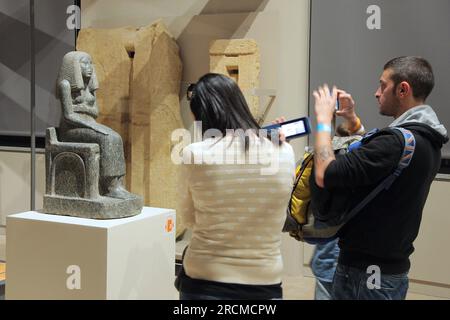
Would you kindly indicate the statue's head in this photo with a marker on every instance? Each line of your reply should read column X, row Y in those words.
column 87, row 68
column 77, row 67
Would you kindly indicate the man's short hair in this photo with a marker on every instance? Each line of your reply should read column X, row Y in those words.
column 416, row 71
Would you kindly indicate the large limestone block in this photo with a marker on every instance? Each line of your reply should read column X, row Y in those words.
column 240, row 60
column 139, row 71
column 113, row 65
column 155, row 114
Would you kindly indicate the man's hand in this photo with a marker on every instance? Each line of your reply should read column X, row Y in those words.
column 325, row 104
column 346, row 108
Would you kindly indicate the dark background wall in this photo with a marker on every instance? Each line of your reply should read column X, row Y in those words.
column 346, row 53
column 53, row 40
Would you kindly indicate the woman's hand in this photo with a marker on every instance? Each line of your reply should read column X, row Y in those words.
column 279, row 120
column 282, row 136
column 325, row 106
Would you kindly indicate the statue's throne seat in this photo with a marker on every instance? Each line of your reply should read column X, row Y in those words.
column 72, row 186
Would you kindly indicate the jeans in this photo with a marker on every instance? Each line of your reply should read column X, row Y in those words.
column 355, row 284
column 324, row 261
column 322, row 290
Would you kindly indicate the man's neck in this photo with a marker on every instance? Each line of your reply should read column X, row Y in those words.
column 408, row 106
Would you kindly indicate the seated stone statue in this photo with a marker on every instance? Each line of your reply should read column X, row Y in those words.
column 72, row 155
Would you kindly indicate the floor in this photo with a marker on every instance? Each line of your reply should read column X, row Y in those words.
column 302, row 288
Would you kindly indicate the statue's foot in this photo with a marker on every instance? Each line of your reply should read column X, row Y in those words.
column 120, row 193
column 113, row 187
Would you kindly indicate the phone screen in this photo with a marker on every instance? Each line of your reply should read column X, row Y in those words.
column 294, row 128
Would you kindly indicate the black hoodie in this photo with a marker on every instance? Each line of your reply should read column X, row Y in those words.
column 383, row 232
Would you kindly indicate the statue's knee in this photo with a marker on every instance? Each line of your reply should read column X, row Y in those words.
column 114, row 137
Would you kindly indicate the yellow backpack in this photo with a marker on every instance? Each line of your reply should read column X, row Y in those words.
column 302, row 224
column 301, row 195
column 300, row 221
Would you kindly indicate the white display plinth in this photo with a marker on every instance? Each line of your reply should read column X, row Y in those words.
column 50, row 256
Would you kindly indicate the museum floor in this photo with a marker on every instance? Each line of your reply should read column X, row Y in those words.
column 302, row 288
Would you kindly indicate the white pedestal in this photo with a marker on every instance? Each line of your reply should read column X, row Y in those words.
column 49, row 256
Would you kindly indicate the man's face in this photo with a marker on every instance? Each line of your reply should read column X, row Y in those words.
column 386, row 95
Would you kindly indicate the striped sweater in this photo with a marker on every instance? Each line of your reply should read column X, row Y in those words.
column 236, row 209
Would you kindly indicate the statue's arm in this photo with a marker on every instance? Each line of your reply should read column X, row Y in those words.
column 95, row 109
column 66, row 100
column 69, row 115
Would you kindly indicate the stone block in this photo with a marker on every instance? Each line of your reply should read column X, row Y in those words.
column 240, row 60
column 144, row 63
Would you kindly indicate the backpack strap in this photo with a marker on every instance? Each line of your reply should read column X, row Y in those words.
column 357, row 144
column 408, row 152
column 405, row 160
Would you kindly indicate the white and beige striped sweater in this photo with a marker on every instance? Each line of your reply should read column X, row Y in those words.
column 236, row 211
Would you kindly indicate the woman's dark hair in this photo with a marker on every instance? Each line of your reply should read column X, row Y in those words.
column 218, row 103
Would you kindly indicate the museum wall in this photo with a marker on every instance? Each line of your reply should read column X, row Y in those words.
column 280, row 28
column 15, row 173
column 52, row 40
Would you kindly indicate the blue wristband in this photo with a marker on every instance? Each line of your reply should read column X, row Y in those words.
column 321, row 127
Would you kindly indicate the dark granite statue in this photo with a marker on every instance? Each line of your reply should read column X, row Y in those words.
column 85, row 163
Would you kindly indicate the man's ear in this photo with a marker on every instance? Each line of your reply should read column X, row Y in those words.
column 404, row 89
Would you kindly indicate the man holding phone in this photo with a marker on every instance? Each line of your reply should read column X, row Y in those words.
column 324, row 259
column 344, row 108
column 380, row 238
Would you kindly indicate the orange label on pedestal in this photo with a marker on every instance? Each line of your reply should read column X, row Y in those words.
column 169, row 224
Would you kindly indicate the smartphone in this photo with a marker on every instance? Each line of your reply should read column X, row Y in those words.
column 293, row 128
